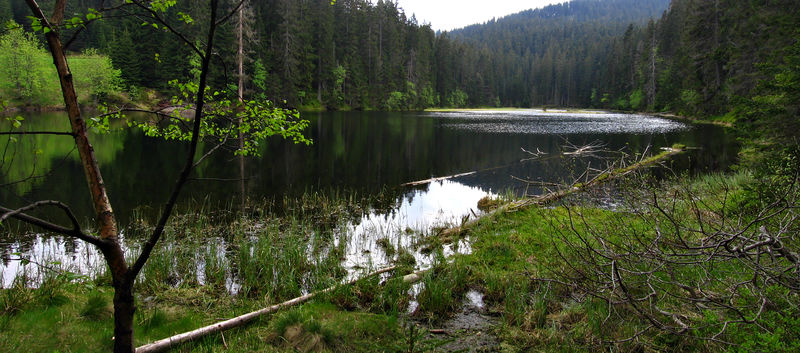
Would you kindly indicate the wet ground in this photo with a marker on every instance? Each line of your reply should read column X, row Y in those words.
column 469, row 330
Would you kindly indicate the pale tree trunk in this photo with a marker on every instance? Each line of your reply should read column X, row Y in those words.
column 651, row 87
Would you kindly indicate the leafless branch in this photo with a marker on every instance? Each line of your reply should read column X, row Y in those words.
column 74, row 232
column 643, row 268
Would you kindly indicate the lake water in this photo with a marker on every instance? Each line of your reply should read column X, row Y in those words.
column 356, row 153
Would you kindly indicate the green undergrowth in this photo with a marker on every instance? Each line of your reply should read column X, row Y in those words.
column 538, row 268
column 213, row 266
column 80, row 319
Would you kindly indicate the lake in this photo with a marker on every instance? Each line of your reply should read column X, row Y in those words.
column 354, row 154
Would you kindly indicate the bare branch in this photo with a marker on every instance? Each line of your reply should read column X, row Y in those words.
column 74, row 232
column 231, row 13
column 155, row 16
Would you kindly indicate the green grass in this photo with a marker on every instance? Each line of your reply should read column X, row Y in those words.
column 324, row 327
column 81, row 322
column 517, row 260
column 516, row 256
column 95, row 79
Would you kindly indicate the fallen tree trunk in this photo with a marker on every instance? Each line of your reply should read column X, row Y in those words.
column 169, row 342
column 557, row 195
column 427, row 181
column 560, row 194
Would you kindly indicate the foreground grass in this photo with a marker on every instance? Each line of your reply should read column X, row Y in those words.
column 77, row 318
column 80, row 321
column 534, row 267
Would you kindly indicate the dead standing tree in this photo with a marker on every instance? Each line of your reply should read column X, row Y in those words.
column 259, row 120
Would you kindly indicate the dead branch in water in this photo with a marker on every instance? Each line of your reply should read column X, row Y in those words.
column 426, row 181
column 608, row 174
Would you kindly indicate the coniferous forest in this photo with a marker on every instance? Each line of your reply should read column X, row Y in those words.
column 686, row 56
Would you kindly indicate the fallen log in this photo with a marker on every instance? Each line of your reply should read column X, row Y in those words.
column 428, row 181
column 560, row 194
column 169, row 342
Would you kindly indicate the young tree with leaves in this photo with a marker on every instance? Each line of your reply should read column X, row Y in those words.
column 212, row 120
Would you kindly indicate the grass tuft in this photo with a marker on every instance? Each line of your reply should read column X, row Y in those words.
column 97, row 308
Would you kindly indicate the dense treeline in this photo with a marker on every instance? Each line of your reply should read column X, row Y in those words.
column 555, row 55
column 702, row 57
column 356, row 54
column 699, row 57
column 353, row 54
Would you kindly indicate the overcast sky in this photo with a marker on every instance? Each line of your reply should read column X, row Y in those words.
column 451, row 14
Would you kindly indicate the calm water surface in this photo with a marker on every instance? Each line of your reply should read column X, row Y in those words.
column 353, row 153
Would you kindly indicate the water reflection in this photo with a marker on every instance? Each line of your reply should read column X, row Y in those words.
column 440, row 204
column 353, row 153
column 559, row 123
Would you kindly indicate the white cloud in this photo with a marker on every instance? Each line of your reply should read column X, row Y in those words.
column 452, row 14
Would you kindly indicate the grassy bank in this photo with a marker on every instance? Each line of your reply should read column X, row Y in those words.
column 213, row 266
column 661, row 273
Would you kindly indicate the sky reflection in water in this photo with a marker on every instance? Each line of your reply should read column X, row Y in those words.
column 415, row 146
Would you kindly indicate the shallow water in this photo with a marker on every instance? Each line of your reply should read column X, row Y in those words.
column 353, row 153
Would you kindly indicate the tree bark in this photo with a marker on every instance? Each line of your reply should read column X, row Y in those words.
column 124, row 309
column 123, row 276
column 104, row 215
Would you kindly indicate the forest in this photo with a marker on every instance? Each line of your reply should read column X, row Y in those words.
column 360, row 55
column 672, row 226
column 696, row 58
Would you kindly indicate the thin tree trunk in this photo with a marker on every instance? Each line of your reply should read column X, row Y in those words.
column 104, row 216
column 108, row 242
column 651, row 89
column 240, row 53
column 240, row 59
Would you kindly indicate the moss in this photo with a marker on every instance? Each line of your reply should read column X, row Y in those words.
column 488, row 203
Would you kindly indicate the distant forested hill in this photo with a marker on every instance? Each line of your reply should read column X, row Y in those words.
column 555, row 55
column 701, row 57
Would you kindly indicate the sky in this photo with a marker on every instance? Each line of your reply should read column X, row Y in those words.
column 445, row 15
